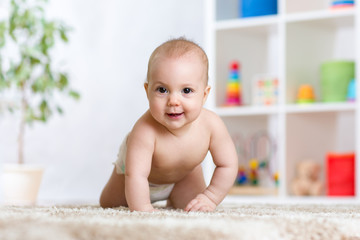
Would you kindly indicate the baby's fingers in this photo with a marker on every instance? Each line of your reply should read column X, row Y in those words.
column 199, row 206
column 205, row 209
column 195, row 207
column 190, row 205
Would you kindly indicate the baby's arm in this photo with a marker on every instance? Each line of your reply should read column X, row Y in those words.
column 225, row 159
column 138, row 164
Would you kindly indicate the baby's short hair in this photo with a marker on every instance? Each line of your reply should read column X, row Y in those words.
column 178, row 47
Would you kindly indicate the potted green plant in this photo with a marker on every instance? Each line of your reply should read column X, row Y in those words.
column 27, row 73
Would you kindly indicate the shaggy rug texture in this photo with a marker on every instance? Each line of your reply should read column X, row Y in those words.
column 258, row 221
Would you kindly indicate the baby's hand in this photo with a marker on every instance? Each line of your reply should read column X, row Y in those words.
column 201, row 203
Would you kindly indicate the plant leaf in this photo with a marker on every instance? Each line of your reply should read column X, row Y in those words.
column 63, row 81
column 74, row 94
column 2, row 33
column 59, row 109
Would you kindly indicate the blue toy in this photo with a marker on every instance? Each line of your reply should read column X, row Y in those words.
column 253, row 8
column 241, row 177
column 351, row 93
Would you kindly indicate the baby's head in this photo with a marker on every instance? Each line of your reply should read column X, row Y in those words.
column 177, row 48
column 177, row 83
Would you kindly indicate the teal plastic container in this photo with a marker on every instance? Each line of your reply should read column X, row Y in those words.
column 351, row 93
column 335, row 79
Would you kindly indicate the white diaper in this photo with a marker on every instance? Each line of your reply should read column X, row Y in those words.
column 158, row 192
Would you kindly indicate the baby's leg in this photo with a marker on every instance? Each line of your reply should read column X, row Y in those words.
column 187, row 189
column 113, row 194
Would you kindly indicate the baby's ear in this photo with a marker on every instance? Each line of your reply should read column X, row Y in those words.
column 206, row 93
column 146, row 86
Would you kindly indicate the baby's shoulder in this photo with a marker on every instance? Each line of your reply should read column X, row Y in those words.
column 212, row 122
column 144, row 124
column 210, row 117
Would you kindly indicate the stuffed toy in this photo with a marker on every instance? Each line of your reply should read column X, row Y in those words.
column 306, row 182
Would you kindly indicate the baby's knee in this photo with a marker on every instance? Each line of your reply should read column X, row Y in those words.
column 111, row 203
column 110, row 199
column 104, row 201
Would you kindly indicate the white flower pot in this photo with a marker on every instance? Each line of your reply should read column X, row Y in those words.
column 21, row 184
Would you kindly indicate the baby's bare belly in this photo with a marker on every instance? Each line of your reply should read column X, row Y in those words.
column 170, row 175
column 172, row 164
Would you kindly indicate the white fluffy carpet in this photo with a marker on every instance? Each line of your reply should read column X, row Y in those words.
column 258, row 221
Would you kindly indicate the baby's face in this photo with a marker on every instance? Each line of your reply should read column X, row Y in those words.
column 177, row 90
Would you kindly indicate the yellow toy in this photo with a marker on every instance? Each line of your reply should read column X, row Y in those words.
column 253, row 175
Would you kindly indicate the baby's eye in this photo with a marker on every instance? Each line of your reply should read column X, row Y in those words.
column 161, row 90
column 187, row 90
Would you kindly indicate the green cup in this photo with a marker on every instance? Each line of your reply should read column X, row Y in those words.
column 335, row 78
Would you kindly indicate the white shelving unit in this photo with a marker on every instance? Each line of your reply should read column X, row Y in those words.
column 290, row 45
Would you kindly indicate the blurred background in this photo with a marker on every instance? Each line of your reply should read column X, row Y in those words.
column 106, row 59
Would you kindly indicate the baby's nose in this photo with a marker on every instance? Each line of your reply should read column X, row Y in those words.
column 173, row 100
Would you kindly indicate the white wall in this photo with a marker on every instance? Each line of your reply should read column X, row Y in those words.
column 107, row 61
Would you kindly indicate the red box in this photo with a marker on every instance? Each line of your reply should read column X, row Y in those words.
column 340, row 174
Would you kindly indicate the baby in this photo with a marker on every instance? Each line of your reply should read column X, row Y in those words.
column 161, row 157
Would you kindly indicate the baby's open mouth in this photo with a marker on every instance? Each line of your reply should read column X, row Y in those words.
column 175, row 115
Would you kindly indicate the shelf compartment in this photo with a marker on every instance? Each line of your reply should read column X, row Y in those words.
column 256, row 49
column 226, row 9
column 311, row 135
column 256, row 137
column 296, row 6
column 231, row 9
column 311, row 43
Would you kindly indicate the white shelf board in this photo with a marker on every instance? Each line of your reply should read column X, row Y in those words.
column 320, row 107
column 320, row 15
column 246, row 110
column 232, row 199
column 246, row 22
column 325, row 14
